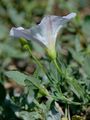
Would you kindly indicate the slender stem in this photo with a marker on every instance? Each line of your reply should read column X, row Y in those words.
column 58, row 68
column 27, row 47
column 40, row 65
column 61, row 73
column 37, row 61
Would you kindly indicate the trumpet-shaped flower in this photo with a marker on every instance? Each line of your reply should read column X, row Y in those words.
column 45, row 33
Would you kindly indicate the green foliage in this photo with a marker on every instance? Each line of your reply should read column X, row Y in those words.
column 66, row 82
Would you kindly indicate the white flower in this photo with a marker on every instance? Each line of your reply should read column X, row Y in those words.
column 46, row 32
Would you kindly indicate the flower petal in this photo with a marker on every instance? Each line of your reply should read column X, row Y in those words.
column 12, row 30
column 50, row 25
column 36, row 33
column 62, row 21
column 46, row 32
column 18, row 32
column 29, row 34
column 70, row 16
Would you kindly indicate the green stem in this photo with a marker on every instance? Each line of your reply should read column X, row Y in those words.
column 37, row 61
column 43, row 90
column 27, row 47
column 58, row 68
column 63, row 97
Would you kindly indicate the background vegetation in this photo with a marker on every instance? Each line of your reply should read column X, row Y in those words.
column 73, row 47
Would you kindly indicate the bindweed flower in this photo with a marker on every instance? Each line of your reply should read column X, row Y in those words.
column 45, row 33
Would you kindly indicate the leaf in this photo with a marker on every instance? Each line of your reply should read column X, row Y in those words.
column 78, row 47
column 20, row 79
column 85, row 26
column 77, row 55
column 29, row 115
column 76, row 88
column 16, row 76
column 17, row 18
column 3, row 31
column 86, row 64
column 86, row 68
